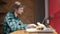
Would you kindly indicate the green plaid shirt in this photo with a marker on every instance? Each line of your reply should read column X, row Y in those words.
column 12, row 23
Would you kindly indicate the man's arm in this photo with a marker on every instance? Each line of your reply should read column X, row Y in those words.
column 15, row 24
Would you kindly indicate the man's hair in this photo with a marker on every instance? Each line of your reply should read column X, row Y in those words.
column 17, row 5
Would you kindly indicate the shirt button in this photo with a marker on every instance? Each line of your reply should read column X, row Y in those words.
column 19, row 24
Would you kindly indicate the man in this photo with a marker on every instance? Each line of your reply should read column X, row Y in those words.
column 12, row 22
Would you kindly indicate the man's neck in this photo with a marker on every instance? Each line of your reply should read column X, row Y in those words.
column 15, row 14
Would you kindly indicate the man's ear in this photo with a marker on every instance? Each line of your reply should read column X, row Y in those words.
column 16, row 9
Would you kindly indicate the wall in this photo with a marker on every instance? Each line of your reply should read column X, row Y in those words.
column 55, row 14
column 39, row 10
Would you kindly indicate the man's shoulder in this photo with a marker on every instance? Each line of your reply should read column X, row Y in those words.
column 10, row 14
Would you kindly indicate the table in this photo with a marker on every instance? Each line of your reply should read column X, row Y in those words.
column 24, row 32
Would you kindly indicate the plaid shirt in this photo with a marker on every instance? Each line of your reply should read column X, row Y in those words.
column 12, row 23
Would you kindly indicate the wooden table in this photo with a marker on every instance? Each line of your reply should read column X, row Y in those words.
column 24, row 32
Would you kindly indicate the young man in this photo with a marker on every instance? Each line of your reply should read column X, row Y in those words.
column 12, row 22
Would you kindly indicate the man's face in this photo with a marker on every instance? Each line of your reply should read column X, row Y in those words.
column 20, row 10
